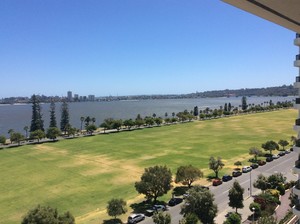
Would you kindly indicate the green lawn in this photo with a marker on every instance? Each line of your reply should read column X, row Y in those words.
column 82, row 174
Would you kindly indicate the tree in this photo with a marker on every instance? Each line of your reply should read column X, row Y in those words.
column 190, row 218
column 244, row 103
column 81, row 122
column 53, row 123
column 2, row 139
column 196, row 111
column 261, row 182
column 216, row 165
column 275, row 180
column 139, row 121
column 158, row 121
column 236, row 196
column 233, row 218
column 47, row 215
column 117, row 124
column 87, row 121
column 38, row 134
column 283, row 143
column 91, row 128
column 16, row 137
column 255, row 151
column 155, row 182
column 65, row 117
column 161, row 218
column 53, row 133
column 107, row 124
column 37, row 122
column 200, row 201
column 267, row 220
column 116, row 207
column 238, row 164
column 188, row 174
column 270, row 146
column 129, row 123
column 26, row 128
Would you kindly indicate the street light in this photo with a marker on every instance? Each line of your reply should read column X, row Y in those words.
column 253, row 210
column 250, row 184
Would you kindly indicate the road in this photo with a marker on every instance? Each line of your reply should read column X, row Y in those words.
column 281, row 165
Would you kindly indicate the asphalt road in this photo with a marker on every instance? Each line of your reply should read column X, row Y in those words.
column 281, row 165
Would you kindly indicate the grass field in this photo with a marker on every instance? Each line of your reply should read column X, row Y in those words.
column 81, row 175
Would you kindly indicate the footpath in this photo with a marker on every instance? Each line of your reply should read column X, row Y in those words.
column 280, row 212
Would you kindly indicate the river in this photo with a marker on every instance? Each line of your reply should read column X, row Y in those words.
column 17, row 116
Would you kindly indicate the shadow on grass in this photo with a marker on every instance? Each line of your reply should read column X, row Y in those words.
column 178, row 191
column 144, row 205
column 112, row 221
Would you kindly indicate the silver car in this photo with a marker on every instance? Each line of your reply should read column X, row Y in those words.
column 134, row 218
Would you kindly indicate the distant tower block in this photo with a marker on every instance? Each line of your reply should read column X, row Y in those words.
column 70, row 97
column 296, row 147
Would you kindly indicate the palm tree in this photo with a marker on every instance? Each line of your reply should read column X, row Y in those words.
column 93, row 120
column 81, row 120
column 26, row 131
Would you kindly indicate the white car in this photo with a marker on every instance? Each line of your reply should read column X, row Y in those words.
column 275, row 156
column 246, row 169
column 134, row 218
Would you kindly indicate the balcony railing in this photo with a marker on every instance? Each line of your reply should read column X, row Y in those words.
column 297, row 122
column 297, row 57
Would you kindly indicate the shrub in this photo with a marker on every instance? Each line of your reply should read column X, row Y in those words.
column 281, row 189
column 273, row 192
column 257, row 209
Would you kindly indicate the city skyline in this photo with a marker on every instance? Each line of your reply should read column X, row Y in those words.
column 136, row 48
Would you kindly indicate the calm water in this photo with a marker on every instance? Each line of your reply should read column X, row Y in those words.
column 18, row 116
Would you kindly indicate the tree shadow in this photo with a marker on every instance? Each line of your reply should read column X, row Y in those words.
column 143, row 206
column 112, row 221
column 178, row 191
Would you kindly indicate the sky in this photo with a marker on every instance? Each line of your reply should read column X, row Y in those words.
column 134, row 47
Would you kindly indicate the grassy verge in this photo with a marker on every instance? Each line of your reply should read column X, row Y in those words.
column 82, row 174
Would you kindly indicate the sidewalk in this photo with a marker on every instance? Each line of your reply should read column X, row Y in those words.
column 279, row 213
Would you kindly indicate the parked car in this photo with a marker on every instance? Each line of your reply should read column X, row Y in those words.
column 287, row 151
column 269, row 159
column 175, row 201
column 159, row 208
column 185, row 195
column 275, row 156
column 282, row 153
column 217, row 182
column 292, row 149
column 226, row 178
column 134, row 218
column 261, row 162
column 155, row 208
column 246, row 169
column 236, row 173
column 254, row 165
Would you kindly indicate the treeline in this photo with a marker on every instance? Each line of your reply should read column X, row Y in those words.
column 36, row 131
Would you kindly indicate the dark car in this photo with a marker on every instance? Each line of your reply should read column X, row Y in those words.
column 236, row 173
column 226, row 178
column 175, row 201
column 282, row 153
column 217, row 182
column 269, row 159
column 254, row 165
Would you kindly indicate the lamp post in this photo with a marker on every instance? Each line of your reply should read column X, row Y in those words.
column 250, row 184
column 253, row 210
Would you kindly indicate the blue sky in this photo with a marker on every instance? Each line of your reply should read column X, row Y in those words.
column 129, row 47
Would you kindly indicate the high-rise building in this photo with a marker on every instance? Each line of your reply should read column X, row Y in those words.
column 91, row 97
column 69, row 96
